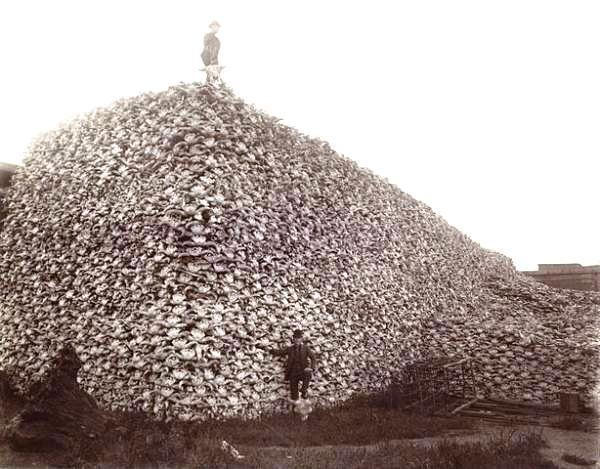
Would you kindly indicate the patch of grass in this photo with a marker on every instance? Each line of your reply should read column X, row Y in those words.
column 10, row 399
column 577, row 460
column 575, row 423
column 349, row 435
column 343, row 425
column 135, row 440
column 505, row 451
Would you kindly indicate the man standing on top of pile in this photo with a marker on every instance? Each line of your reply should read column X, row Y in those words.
column 297, row 367
column 210, row 54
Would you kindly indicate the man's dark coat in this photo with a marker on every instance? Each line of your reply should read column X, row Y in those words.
column 210, row 54
column 299, row 357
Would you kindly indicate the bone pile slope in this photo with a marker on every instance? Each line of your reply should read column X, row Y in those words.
column 175, row 237
column 529, row 342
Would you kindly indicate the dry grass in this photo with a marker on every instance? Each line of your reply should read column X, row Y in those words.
column 578, row 423
column 136, row 440
column 150, row 448
column 331, row 438
column 578, row 461
column 505, row 451
column 283, row 442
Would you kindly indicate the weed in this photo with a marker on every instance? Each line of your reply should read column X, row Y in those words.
column 337, row 437
column 508, row 450
column 505, row 451
column 575, row 423
column 579, row 461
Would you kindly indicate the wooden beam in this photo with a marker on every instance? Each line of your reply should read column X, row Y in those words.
column 464, row 406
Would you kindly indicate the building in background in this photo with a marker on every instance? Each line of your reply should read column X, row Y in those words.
column 570, row 276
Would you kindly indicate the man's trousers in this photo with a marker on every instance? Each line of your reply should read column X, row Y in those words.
column 295, row 381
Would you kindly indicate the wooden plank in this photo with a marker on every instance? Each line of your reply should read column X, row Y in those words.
column 516, row 410
column 497, row 418
column 513, row 410
column 523, row 404
column 464, row 406
column 511, row 422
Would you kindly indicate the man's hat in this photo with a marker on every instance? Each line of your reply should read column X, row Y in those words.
column 297, row 333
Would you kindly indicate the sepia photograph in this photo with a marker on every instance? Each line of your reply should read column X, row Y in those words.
column 300, row 235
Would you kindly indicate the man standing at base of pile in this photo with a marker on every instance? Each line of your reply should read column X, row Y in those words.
column 297, row 367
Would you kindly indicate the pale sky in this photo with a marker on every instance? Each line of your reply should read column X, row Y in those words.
column 487, row 111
